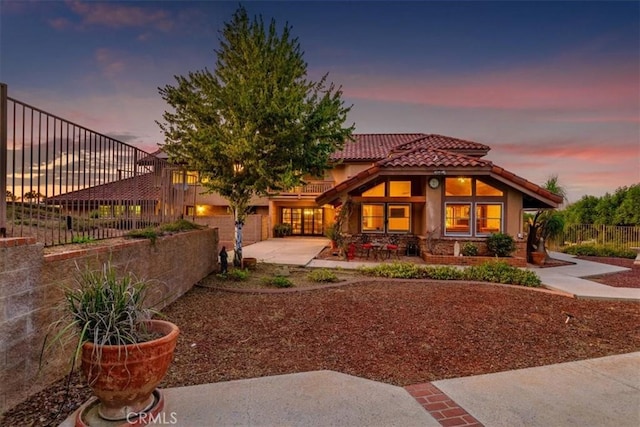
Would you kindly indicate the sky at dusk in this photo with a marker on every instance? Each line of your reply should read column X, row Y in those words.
column 552, row 87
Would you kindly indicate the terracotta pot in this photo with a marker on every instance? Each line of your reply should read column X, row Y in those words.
column 124, row 377
column 249, row 263
column 538, row 258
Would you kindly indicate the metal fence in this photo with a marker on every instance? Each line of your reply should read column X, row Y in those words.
column 619, row 237
column 65, row 183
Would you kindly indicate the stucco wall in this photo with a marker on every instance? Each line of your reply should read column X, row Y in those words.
column 30, row 294
column 252, row 231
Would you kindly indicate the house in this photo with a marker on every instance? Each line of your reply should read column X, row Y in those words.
column 433, row 189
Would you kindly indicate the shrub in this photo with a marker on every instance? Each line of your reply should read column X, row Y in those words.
column 398, row 270
column 281, row 230
column 278, row 282
column 443, row 272
column 599, row 250
column 238, row 275
column 82, row 239
column 501, row 272
column 322, row 275
column 144, row 233
column 469, row 249
column 179, row 225
column 501, row 244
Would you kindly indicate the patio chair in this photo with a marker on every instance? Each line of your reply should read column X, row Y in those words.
column 393, row 247
column 364, row 246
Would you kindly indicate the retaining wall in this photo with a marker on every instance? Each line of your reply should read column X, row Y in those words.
column 30, row 295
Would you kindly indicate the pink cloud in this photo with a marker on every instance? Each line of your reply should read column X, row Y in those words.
column 60, row 23
column 596, row 152
column 558, row 85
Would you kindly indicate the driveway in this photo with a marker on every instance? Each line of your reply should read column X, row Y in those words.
column 288, row 250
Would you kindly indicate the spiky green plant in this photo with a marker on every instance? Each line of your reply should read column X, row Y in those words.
column 102, row 308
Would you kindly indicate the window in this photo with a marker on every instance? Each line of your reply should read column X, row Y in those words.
column 399, row 188
column 459, row 186
column 457, row 219
column 377, row 191
column 472, row 207
column 399, row 218
column 488, row 218
column 373, row 217
column 484, row 189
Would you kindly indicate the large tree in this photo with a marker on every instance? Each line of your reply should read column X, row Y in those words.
column 257, row 124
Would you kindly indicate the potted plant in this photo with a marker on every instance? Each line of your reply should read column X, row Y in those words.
column 124, row 353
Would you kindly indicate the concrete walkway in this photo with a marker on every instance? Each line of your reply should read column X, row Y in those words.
column 569, row 279
column 596, row 392
column 593, row 392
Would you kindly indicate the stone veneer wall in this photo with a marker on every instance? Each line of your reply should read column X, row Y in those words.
column 442, row 253
column 30, row 294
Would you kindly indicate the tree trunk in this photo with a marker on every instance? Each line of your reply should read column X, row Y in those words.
column 237, row 240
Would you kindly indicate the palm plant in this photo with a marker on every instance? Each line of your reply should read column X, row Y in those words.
column 546, row 224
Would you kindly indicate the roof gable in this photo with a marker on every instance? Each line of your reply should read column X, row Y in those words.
column 424, row 157
column 373, row 147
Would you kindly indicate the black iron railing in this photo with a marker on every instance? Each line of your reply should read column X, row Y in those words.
column 65, row 183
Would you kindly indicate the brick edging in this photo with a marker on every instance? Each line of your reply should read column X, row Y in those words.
column 441, row 407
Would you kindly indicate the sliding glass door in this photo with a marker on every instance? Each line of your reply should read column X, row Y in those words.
column 304, row 221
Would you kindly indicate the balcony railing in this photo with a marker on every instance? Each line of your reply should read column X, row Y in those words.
column 312, row 188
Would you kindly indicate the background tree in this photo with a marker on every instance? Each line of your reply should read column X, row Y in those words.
column 256, row 124
column 619, row 208
column 30, row 195
column 546, row 223
column 10, row 197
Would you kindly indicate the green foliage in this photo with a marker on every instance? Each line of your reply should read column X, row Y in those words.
column 469, row 249
column 501, row 272
column 257, row 124
column 619, row 208
column 103, row 308
column 599, row 250
column 323, row 275
column 179, row 225
column 108, row 309
column 495, row 271
column 397, row 270
column 278, row 281
column 82, row 239
column 501, row 244
column 238, row 274
column 581, row 212
column 144, row 233
column 442, row 272
column 282, row 230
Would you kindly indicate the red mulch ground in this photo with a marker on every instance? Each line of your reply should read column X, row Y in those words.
column 400, row 333
column 626, row 279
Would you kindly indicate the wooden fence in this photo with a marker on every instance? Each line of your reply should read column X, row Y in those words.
column 619, row 237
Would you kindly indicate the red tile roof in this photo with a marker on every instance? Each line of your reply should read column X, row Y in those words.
column 423, row 156
column 371, row 147
column 442, row 142
column 137, row 188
